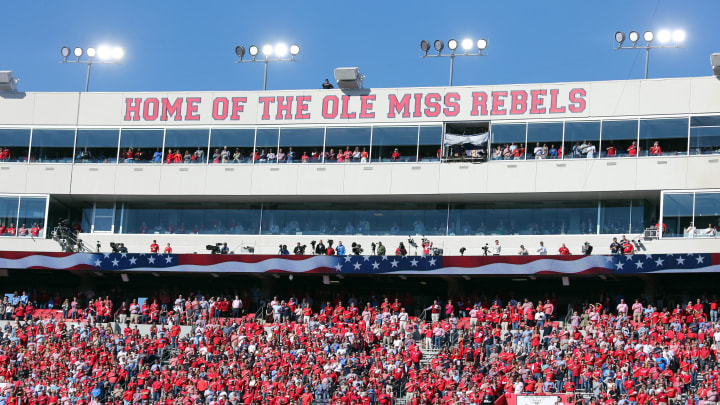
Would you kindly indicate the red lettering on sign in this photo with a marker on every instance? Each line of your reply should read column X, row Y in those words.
column 536, row 101
column 432, row 102
column 366, row 106
column 554, row 109
column 418, row 104
column 577, row 100
column 399, row 106
column 169, row 109
column 498, row 102
column 220, row 108
column 326, row 103
column 237, row 107
column 132, row 109
column 302, row 107
column 452, row 107
column 192, row 108
column 479, row 106
column 284, row 104
column 265, row 101
column 345, row 113
column 151, row 108
column 518, row 102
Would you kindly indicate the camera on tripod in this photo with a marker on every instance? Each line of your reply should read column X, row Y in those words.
column 357, row 249
column 485, row 249
column 214, row 249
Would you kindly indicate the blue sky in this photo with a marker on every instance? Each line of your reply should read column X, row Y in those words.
column 183, row 45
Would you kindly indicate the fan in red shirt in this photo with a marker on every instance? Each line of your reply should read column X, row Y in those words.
column 564, row 250
column 168, row 249
column 154, row 247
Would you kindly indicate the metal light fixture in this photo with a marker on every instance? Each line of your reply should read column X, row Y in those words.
column 663, row 37
column 425, row 46
column 648, row 36
column 619, row 37
column 452, row 45
column 102, row 55
column 271, row 53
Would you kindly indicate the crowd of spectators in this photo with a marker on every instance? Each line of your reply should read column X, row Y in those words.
column 22, row 231
column 350, row 351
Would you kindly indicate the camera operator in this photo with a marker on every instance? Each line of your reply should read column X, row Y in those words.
column 283, row 250
column 299, row 249
column 587, row 249
column 381, row 251
column 225, row 249
column 401, row 250
column 320, row 248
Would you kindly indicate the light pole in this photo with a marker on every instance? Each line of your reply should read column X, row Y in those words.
column 467, row 45
column 664, row 37
column 105, row 54
column 279, row 51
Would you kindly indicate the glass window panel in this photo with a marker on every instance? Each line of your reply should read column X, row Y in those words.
column 430, row 143
column 343, row 141
column 704, row 140
column 239, row 141
column 8, row 214
column 619, row 138
column 663, row 137
column 706, row 121
column 641, row 217
column 189, row 146
column 677, row 213
column 97, row 146
column 508, row 141
column 141, row 145
column 615, row 217
column 707, row 213
column 205, row 218
column 14, row 145
column 394, row 144
column 267, row 143
column 32, row 214
column 52, row 145
column 544, row 140
column 301, row 145
column 582, row 138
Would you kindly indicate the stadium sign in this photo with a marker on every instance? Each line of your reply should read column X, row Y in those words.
column 359, row 105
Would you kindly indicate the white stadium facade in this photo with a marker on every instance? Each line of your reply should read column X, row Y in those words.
column 458, row 165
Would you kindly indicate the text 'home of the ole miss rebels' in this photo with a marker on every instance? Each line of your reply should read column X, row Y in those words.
column 336, row 105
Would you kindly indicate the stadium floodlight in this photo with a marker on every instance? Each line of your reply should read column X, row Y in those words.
column 634, row 37
column 663, row 37
column 94, row 56
column 619, row 37
column 452, row 45
column 678, row 36
column 271, row 53
column 240, row 51
column 467, row 44
column 648, row 36
column 425, row 46
column 281, row 50
column 104, row 52
column 118, row 53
